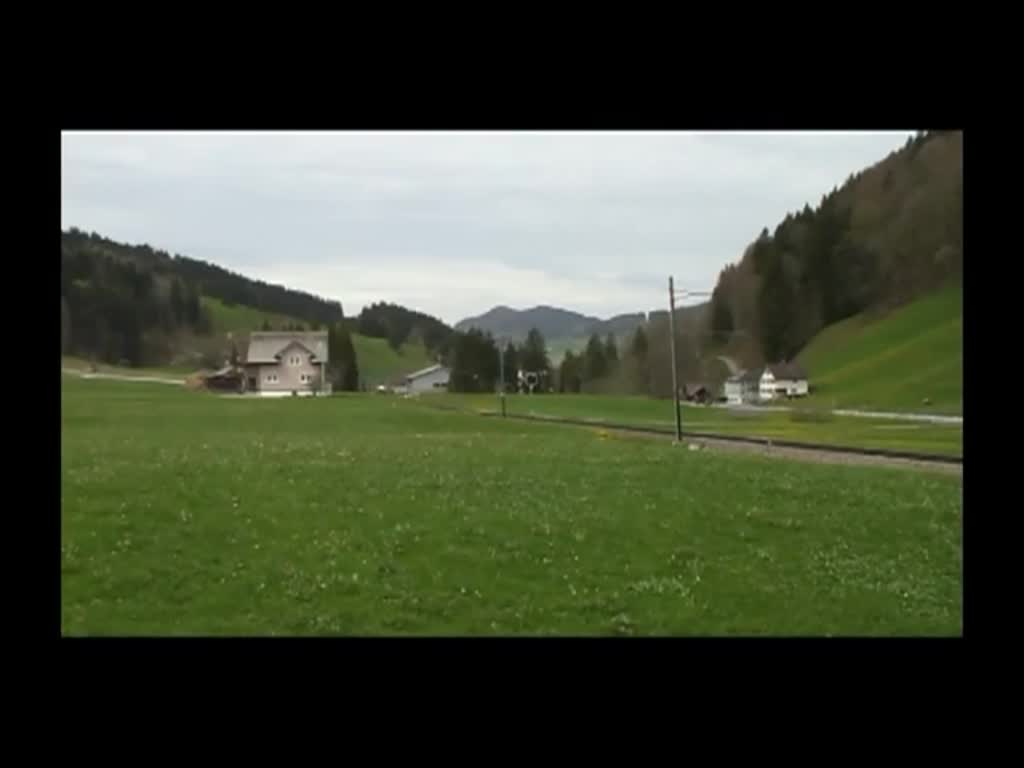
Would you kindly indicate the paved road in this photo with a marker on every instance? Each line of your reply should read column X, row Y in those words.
column 120, row 377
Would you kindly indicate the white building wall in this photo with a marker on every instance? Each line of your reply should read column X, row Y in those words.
column 437, row 381
column 769, row 387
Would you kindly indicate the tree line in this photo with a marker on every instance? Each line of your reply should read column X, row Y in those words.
column 476, row 362
column 642, row 366
column 212, row 280
column 399, row 325
column 118, row 312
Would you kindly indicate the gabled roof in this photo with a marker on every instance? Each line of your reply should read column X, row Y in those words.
column 267, row 346
column 423, row 372
column 753, row 376
column 791, row 370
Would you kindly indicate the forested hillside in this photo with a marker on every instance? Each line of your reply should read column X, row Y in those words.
column 399, row 325
column 893, row 232
column 136, row 305
column 208, row 279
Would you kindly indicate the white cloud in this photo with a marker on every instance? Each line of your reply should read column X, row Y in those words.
column 453, row 223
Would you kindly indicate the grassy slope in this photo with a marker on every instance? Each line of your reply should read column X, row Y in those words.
column 895, row 361
column 185, row 513
column 377, row 361
column 240, row 319
column 943, row 439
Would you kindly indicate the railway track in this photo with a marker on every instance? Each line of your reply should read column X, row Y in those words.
column 763, row 442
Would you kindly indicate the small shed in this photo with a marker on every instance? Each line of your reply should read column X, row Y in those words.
column 697, row 392
column 227, row 379
column 432, row 379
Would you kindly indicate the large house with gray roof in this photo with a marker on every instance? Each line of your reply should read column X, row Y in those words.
column 780, row 380
column 286, row 362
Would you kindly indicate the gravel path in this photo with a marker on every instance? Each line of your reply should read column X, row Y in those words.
column 895, row 416
column 120, row 377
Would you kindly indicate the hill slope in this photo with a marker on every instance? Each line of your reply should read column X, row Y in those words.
column 893, row 360
column 379, row 363
column 133, row 305
column 552, row 322
column 891, row 234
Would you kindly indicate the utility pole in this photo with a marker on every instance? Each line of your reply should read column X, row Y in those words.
column 672, row 335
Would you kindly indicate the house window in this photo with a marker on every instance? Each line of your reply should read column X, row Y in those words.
column 294, row 360
column 271, row 378
column 305, row 378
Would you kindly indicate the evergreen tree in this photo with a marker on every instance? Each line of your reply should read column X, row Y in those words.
column 721, row 317
column 511, row 364
column 569, row 378
column 611, row 352
column 192, row 315
column 131, row 339
column 638, row 348
column 350, row 372
column 639, row 363
column 474, row 362
column 776, row 310
column 177, row 303
column 595, row 364
column 342, row 365
column 534, row 356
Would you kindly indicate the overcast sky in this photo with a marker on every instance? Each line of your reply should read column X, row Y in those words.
column 455, row 223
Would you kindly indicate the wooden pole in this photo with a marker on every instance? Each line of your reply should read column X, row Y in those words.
column 672, row 336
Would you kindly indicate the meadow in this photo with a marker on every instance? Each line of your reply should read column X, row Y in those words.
column 804, row 425
column 895, row 360
column 190, row 514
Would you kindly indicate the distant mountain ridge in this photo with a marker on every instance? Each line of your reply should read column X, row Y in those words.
column 552, row 322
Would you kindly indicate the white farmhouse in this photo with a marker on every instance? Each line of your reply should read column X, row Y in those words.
column 783, row 380
column 743, row 387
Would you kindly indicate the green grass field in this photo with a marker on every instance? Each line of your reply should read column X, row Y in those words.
column 184, row 513
column 808, row 426
column 895, row 361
